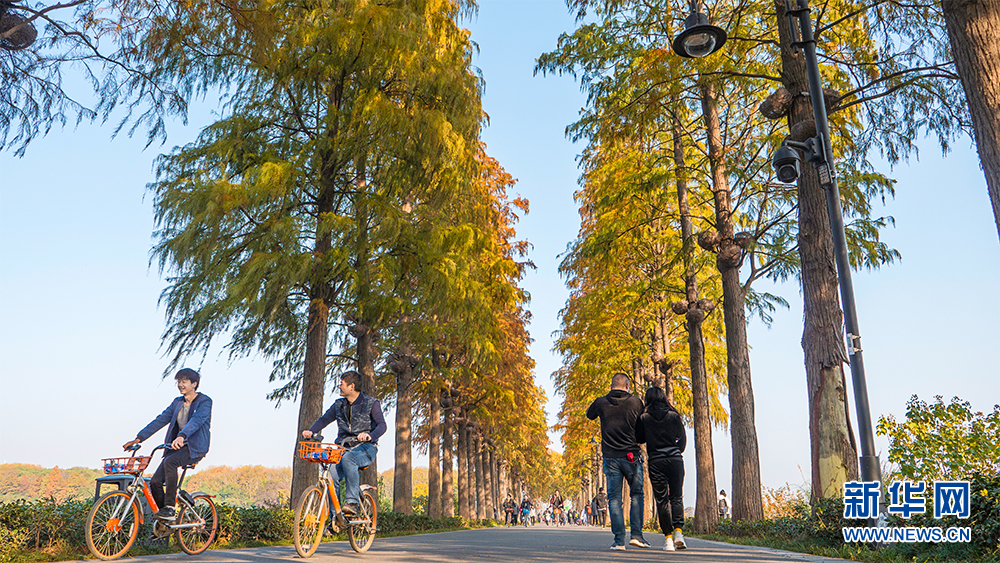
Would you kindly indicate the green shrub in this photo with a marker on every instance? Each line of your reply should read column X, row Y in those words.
column 47, row 521
column 253, row 524
column 11, row 541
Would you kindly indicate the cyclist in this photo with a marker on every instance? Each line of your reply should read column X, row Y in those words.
column 359, row 419
column 190, row 420
column 526, row 510
column 556, row 506
column 509, row 508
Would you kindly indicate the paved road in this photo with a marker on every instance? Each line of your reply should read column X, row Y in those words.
column 544, row 544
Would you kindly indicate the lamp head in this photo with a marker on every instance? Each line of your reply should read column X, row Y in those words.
column 699, row 38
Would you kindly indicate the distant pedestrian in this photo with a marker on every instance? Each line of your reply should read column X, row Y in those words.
column 661, row 428
column 723, row 505
column 619, row 412
column 601, row 507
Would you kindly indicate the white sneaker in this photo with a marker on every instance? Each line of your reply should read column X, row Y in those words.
column 679, row 539
column 637, row 542
column 669, row 545
column 617, row 547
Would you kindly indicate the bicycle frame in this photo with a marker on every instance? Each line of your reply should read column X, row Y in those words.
column 330, row 485
column 138, row 485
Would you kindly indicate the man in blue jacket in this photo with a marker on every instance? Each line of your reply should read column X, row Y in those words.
column 190, row 420
column 359, row 420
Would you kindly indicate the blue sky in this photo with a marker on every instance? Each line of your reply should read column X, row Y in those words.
column 80, row 361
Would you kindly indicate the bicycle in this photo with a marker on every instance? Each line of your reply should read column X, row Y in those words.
column 114, row 520
column 313, row 509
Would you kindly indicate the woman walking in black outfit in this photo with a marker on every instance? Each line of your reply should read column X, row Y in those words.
column 660, row 427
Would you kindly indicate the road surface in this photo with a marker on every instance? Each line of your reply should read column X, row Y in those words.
column 545, row 544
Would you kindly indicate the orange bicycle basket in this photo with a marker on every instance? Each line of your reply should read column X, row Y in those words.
column 126, row 464
column 316, row 452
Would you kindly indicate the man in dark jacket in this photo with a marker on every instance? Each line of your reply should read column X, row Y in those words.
column 619, row 412
column 662, row 430
column 359, row 421
column 189, row 434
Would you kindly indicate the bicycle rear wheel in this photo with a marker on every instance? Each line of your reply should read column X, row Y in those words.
column 112, row 525
column 310, row 517
column 196, row 540
column 362, row 535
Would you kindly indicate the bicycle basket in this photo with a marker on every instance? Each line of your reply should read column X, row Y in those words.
column 317, row 452
column 126, row 464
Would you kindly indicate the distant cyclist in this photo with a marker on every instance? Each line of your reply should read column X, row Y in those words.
column 526, row 511
column 359, row 420
column 510, row 509
column 190, row 420
column 556, row 505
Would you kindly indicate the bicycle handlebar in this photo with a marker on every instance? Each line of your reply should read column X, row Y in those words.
column 347, row 445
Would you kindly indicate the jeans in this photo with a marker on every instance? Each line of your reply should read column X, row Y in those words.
column 349, row 469
column 617, row 470
column 667, row 477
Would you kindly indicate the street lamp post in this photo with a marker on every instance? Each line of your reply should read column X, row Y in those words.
column 819, row 151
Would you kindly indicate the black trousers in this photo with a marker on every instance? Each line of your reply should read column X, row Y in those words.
column 166, row 473
column 666, row 475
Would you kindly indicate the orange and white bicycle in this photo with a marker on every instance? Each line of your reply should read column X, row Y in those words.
column 114, row 520
column 317, row 504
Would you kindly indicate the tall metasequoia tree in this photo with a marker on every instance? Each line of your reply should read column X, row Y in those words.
column 463, row 466
column 974, row 33
column 833, row 450
column 729, row 258
column 694, row 310
column 434, row 496
column 402, row 365
column 447, row 460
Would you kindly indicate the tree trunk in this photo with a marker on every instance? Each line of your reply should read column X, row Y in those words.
column 366, row 367
column 746, row 461
column 463, row 469
column 477, row 456
column 305, row 474
column 363, row 330
column 402, row 486
column 487, row 481
column 434, row 456
column 974, row 33
column 447, row 462
column 470, row 472
column 648, row 500
column 834, row 454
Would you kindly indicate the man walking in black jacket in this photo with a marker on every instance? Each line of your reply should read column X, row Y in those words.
column 619, row 412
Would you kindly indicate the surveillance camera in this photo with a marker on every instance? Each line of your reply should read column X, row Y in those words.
column 786, row 164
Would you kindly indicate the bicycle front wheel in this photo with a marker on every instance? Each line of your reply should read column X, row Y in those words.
column 362, row 535
column 202, row 512
column 310, row 517
column 112, row 524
